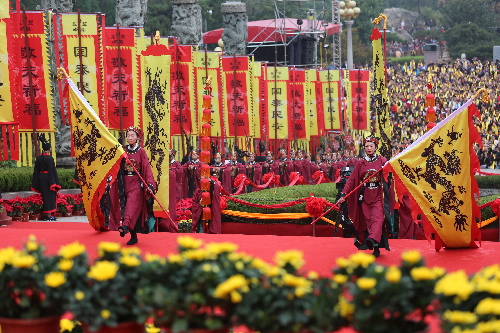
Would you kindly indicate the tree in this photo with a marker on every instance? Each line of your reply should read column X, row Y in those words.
column 159, row 17
column 479, row 12
column 470, row 39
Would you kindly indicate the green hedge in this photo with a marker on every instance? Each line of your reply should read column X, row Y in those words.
column 487, row 213
column 19, row 179
column 488, row 181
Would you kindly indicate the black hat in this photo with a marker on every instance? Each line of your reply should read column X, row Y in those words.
column 43, row 140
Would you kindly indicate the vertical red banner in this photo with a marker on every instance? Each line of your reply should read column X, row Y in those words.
column 319, row 106
column 118, row 76
column 180, row 100
column 358, row 98
column 296, row 114
column 263, row 115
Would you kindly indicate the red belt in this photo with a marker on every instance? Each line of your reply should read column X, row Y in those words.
column 44, row 172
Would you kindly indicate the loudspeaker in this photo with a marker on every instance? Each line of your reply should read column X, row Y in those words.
column 430, row 47
column 307, row 56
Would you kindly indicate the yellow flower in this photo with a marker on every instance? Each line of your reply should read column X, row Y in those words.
column 411, row 256
column 455, row 284
column 362, row 259
column 105, row 314
column 155, row 257
column 345, row 308
column 108, row 247
column 22, row 260
column 31, row 246
column 32, row 238
column 66, row 325
column 292, row 257
column 438, row 271
column 273, row 271
column 197, row 254
column 340, row 278
column 54, row 279
column 103, row 270
column 296, row 281
column 188, row 242
column 218, row 248
column 175, row 258
column 235, row 297
column 260, row 264
column 72, row 250
column 366, row 283
column 312, row 275
column 301, row 291
column 342, row 262
column 65, row 264
column 459, row 317
column 130, row 261
column 239, row 265
column 127, row 251
column 488, row 326
column 393, row 274
column 79, row 295
column 150, row 328
column 6, row 254
column 206, row 267
column 234, row 283
column 422, row 273
column 488, row 306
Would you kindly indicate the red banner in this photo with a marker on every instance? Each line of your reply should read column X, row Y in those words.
column 296, row 114
column 180, row 99
column 118, row 76
column 359, row 105
column 319, row 106
column 33, row 91
column 263, row 116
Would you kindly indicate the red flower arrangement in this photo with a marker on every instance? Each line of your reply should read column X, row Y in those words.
column 241, row 178
column 268, row 176
column 183, row 209
column 300, row 181
column 317, row 176
column 315, row 206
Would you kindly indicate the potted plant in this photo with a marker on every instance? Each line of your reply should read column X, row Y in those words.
column 33, row 289
column 63, row 206
column 107, row 301
column 470, row 303
column 280, row 300
column 179, row 291
column 35, row 204
column 388, row 299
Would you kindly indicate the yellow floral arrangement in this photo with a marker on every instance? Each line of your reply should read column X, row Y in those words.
column 33, row 284
column 107, row 295
column 470, row 304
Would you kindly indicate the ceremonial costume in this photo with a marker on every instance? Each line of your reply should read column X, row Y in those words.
column 254, row 173
column 192, row 177
column 46, row 182
column 229, row 174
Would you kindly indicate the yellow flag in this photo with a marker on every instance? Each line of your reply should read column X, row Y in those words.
column 98, row 154
column 437, row 171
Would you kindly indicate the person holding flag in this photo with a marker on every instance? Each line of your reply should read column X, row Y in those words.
column 366, row 204
column 135, row 191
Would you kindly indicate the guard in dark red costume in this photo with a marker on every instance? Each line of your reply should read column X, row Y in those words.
column 45, row 180
column 253, row 172
column 135, row 191
column 366, row 205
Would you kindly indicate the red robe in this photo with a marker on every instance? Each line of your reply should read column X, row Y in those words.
column 254, row 173
column 229, row 174
column 135, row 192
column 191, row 178
column 283, row 168
column 369, row 215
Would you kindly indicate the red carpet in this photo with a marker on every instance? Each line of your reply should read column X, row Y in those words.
column 320, row 253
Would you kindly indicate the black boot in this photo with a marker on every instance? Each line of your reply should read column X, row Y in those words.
column 370, row 243
column 123, row 230
column 133, row 238
column 376, row 251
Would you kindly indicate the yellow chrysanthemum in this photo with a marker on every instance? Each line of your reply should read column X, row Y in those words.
column 196, row 254
column 411, row 256
column 393, row 274
column 366, row 283
column 23, row 260
column 342, row 262
column 339, row 278
column 292, row 257
column 111, row 247
column 175, row 258
column 422, row 273
column 131, row 261
column 105, row 314
column 459, row 317
column 103, row 270
column 312, row 275
column 455, row 284
column 234, row 283
column 218, row 248
column 235, row 297
column 206, row 267
column 345, row 308
column 150, row 328
column 260, row 264
column 438, row 271
column 79, row 295
column 488, row 326
column 133, row 250
column 31, row 246
column 6, row 254
column 239, row 265
column 488, row 306
column 273, row 271
column 32, row 238
column 66, row 325
column 54, row 279
column 65, row 264
column 155, row 257
column 361, row 259
column 296, row 281
column 72, row 250
column 188, row 242
column 486, row 285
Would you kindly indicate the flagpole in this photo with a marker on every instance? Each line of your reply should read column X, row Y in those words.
column 348, row 194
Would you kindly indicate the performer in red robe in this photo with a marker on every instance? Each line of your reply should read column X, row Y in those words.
column 366, row 205
column 135, row 191
column 284, row 167
column 217, row 167
column 253, row 172
column 267, row 165
column 233, row 169
column 192, row 174
column 46, row 181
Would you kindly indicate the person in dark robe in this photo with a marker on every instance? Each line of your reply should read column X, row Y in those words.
column 231, row 171
column 192, row 174
column 268, row 163
column 366, row 205
column 46, row 181
column 303, row 166
column 253, row 172
column 217, row 167
column 135, row 192
column 284, row 167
